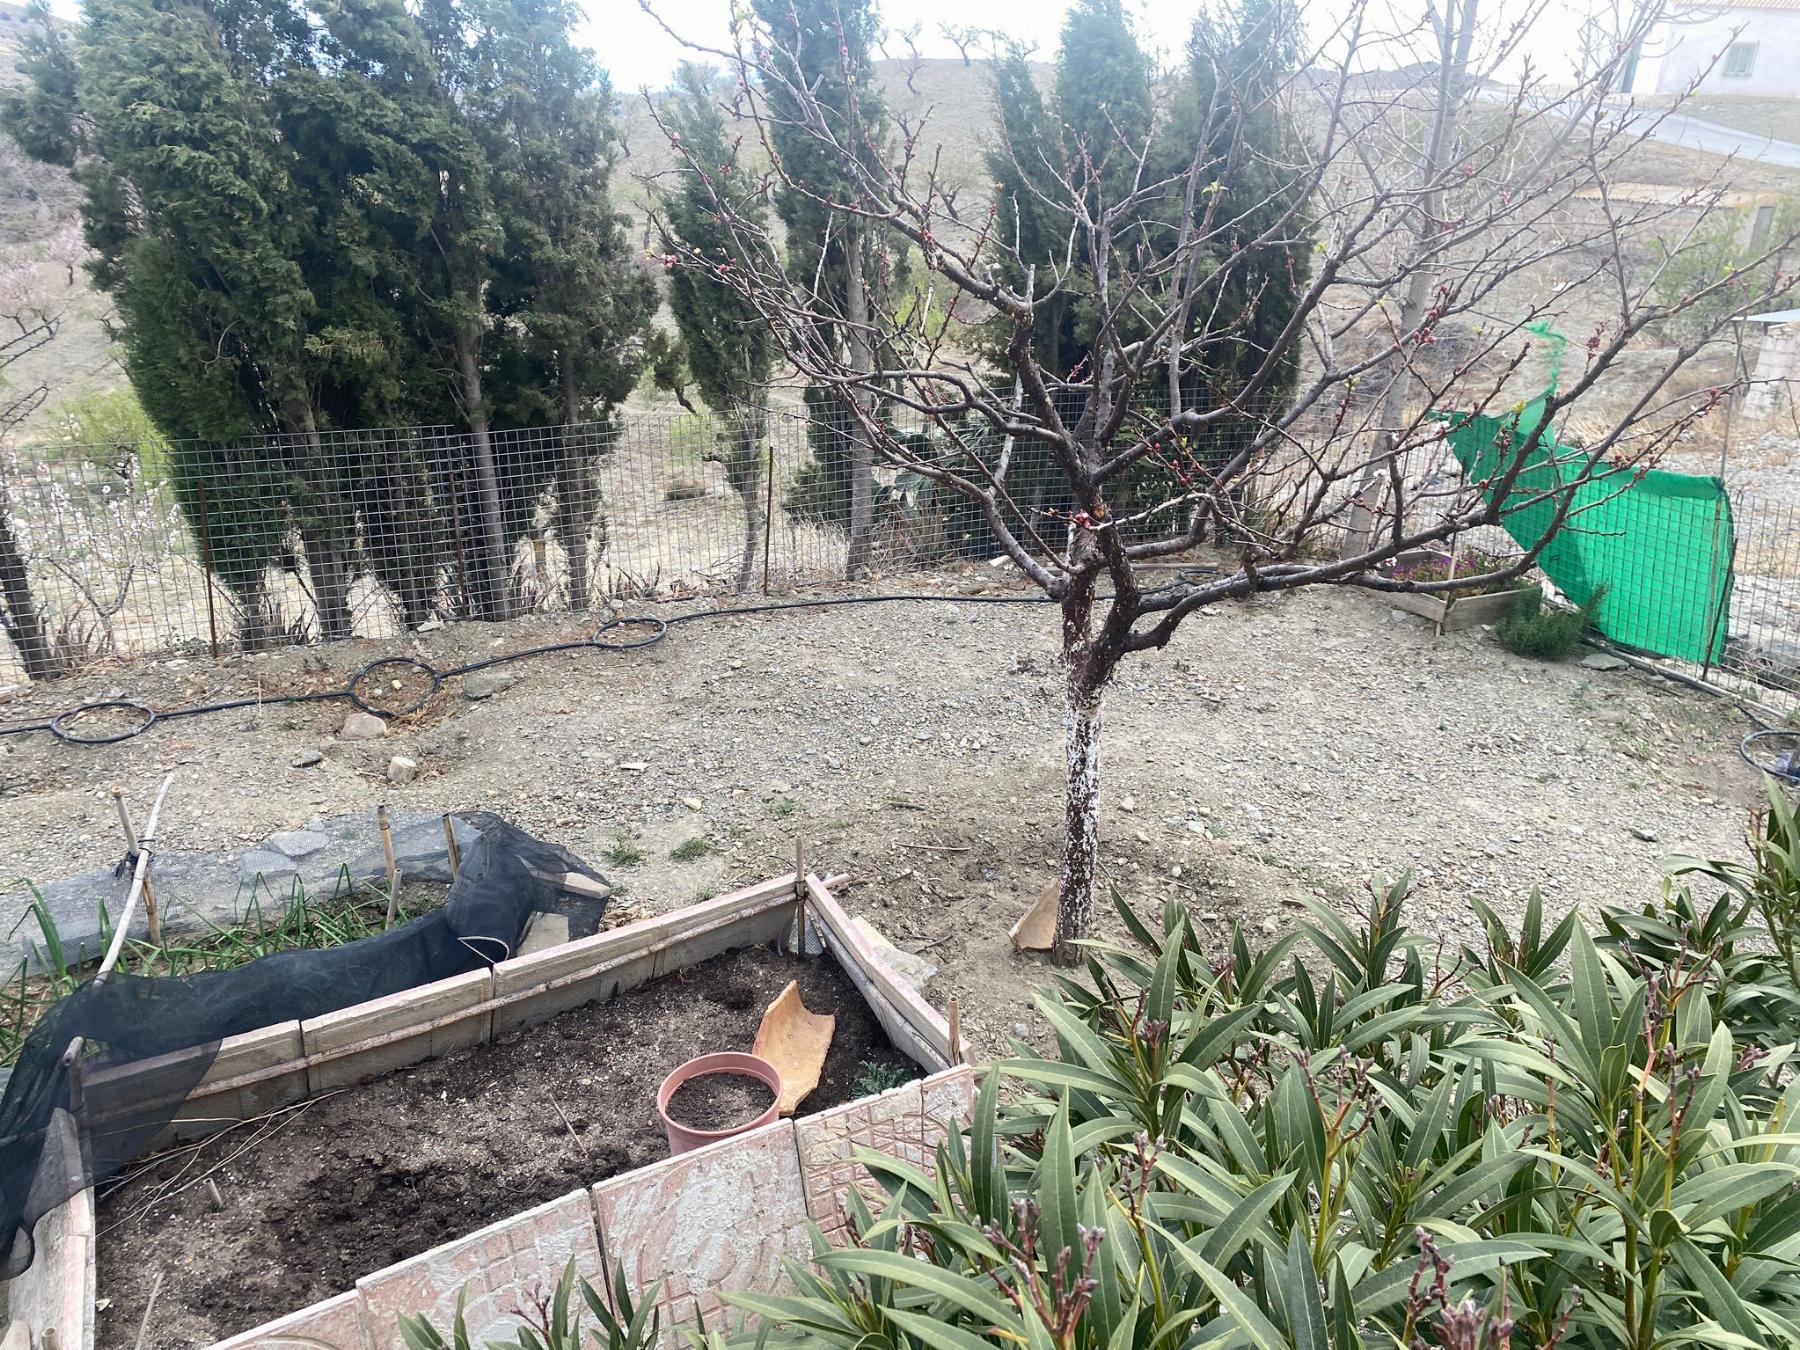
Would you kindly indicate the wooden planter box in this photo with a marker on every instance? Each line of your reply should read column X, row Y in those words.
column 1452, row 614
column 719, row 1219
column 1467, row 611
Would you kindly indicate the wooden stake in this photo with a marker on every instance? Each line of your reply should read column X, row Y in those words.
column 212, row 1191
column 393, row 871
column 131, row 847
column 954, row 1014
column 451, row 847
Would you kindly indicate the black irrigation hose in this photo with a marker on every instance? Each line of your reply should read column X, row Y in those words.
column 1786, row 766
column 62, row 725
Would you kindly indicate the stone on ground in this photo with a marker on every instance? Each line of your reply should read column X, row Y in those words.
column 362, row 726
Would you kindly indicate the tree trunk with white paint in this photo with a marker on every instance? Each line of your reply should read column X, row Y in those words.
column 1081, row 818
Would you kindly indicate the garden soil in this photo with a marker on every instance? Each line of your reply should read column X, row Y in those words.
column 362, row 1178
column 1281, row 750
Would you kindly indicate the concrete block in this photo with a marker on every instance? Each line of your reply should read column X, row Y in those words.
column 717, row 1220
column 502, row 1267
column 441, row 1001
column 335, row 1324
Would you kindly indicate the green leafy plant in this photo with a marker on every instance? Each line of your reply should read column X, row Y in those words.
column 287, row 923
column 874, row 1076
column 691, row 850
column 555, row 1322
column 623, row 854
column 1321, row 1145
column 1542, row 632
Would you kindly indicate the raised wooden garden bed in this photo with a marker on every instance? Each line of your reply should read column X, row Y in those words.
column 1450, row 611
column 718, row 1219
column 1457, row 613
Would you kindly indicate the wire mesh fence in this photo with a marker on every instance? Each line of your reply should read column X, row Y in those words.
column 120, row 550
column 117, row 550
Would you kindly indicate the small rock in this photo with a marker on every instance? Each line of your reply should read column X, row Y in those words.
column 634, row 766
column 362, row 726
column 921, row 735
column 1644, row 833
column 692, row 803
column 262, row 862
column 1128, row 803
column 487, row 683
column 779, row 788
column 297, row 843
column 1271, row 927
column 1603, row 661
column 307, row 758
column 429, row 626
column 1021, row 1030
column 402, row 770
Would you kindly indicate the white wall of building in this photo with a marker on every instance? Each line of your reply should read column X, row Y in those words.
column 1682, row 47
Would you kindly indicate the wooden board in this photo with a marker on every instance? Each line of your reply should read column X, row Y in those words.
column 852, row 948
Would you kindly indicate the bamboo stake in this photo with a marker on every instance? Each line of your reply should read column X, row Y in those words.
column 139, row 876
column 131, row 847
column 393, row 871
column 954, row 1016
column 451, row 847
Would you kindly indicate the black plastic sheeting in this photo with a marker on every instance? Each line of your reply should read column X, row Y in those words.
column 62, row 1130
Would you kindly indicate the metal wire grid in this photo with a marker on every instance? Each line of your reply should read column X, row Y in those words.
column 161, row 547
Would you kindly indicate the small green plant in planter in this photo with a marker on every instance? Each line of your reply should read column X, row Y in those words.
column 874, row 1077
column 1543, row 633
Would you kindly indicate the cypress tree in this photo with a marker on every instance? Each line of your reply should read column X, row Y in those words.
column 825, row 45
column 728, row 349
column 567, row 281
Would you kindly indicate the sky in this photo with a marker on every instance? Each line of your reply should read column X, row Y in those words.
column 638, row 52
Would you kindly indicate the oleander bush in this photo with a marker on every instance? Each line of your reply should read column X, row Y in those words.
column 1567, row 1137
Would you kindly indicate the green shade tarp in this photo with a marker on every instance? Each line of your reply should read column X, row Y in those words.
column 1659, row 542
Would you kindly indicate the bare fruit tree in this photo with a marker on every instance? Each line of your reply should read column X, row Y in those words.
column 36, row 287
column 1229, row 414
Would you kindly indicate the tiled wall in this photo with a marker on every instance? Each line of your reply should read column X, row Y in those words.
column 720, row 1219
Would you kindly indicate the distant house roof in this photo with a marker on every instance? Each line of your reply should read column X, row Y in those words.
column 1774, row 316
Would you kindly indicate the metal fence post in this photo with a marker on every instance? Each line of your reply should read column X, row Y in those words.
column 206, row 563
column 768, row 511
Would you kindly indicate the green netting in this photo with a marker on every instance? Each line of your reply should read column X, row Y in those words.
column 1660, row 542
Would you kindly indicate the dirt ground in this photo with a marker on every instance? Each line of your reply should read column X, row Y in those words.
column 1287, row 747
column 360, row 1179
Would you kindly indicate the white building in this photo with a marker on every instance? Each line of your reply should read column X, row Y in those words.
column 1739, row 47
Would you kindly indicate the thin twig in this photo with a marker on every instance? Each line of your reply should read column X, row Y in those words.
column 570, row 1128
column 149, row 1307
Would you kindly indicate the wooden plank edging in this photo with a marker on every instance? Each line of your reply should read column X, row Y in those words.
column 926, row 1020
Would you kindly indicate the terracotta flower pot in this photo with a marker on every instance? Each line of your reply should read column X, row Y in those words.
column 682, row 1138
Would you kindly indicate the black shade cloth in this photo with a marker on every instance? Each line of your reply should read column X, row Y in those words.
column 148, row 1041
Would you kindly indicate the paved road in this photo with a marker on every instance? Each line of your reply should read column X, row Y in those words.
column 1679, row 129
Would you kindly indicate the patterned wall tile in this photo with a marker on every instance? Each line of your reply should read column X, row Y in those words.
column 719, row 1219
column 907, row 1123
column 502, row 1266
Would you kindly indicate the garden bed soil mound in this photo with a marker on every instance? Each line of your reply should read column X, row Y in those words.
column 359, row 1179
column 718, row 1101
